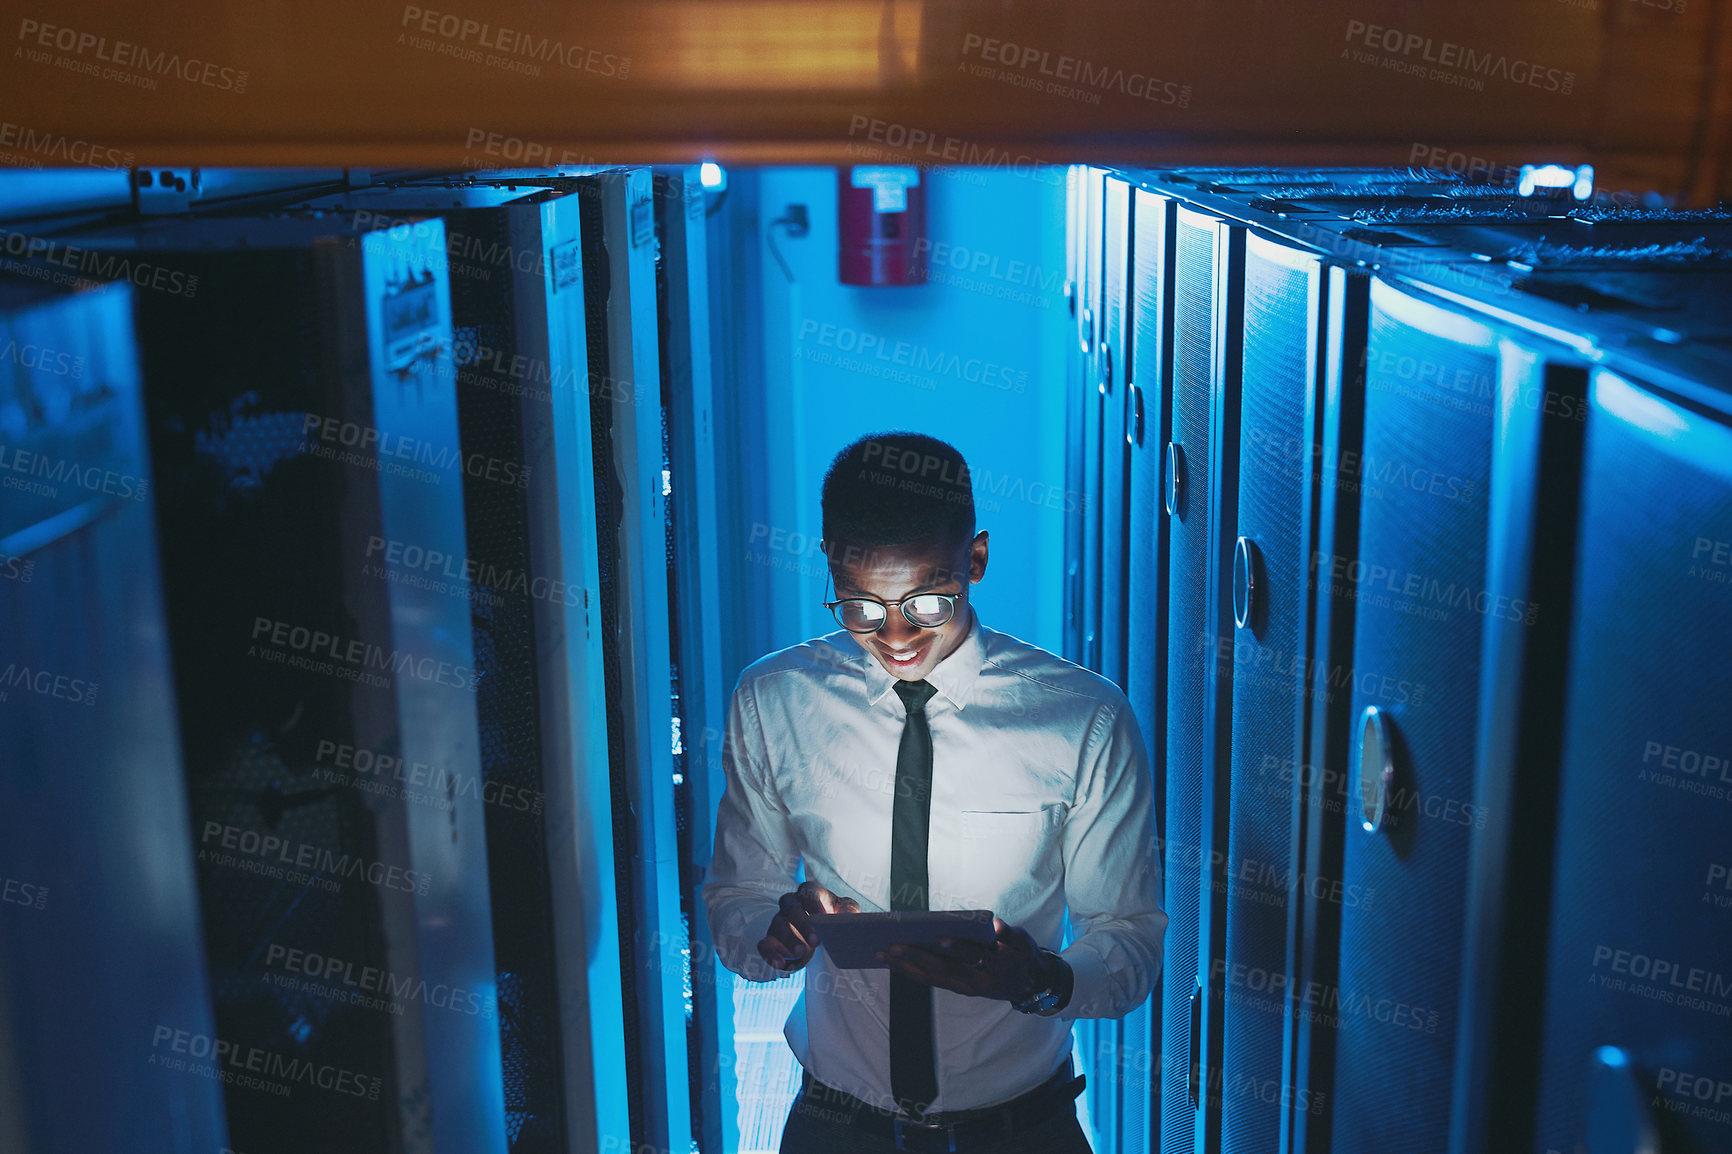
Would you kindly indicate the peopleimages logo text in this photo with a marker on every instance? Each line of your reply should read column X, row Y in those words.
column 358, row 654
column 510, row 42
column 1447, row 54
column 302, row 856
column 1028, row 58
column 234, row 1062
column 914, row 143
column 62, row 149
column 38, row 34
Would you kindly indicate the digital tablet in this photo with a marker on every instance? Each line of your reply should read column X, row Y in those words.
column 853, row 940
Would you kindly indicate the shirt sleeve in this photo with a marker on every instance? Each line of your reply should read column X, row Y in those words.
column 754, row 860
column 1112, row 873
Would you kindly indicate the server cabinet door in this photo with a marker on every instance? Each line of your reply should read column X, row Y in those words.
column 1201, row 489
column 1092, row 267
column 1636, row 1050
column 550, row 331
column 1419, row 583
column 1536, row 471
column 436, row 722
column 516, row 265
column 1331, row 464
column 1141, row 1061
column 1117, row 1111
column 1265, row 660
column 695, row 553
column 626, row 426
column 1075, row 417
column 106, row 1026
column 1112, row 366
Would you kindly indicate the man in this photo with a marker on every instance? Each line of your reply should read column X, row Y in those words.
column 915, row 759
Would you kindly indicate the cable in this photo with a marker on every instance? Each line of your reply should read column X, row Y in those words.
column 794, row 219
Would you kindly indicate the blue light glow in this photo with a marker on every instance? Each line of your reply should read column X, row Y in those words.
column 1580, row 180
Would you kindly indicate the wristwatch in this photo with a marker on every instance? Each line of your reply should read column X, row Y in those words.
column 1053, row 981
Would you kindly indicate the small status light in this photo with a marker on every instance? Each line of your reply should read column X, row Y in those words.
column 1611, row 1056
column 1580, row 180
column 712, row 176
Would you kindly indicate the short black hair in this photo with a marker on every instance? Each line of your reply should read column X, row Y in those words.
column 898, row 488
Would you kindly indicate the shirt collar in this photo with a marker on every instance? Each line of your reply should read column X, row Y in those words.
column 954, row 677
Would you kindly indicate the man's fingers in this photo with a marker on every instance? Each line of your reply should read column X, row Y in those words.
column 780, row 952
column 791, row 940
column 916, row 967
column 777, row 953
column 785, row 934
column 781, row 946
column 815, row 899
column 962, row 950
column 930, row 960
column 794, row 913
column 927, row 967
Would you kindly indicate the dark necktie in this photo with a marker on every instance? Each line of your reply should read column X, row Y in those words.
column 913, row 1066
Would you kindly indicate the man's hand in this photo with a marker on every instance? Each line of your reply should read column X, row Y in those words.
column 1008, row 970
column 791, row 941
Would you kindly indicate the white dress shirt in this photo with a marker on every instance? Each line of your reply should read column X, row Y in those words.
column 1041, row 799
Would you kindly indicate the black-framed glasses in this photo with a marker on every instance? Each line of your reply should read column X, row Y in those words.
column 868, row 614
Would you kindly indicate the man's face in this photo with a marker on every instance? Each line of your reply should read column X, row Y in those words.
column 890, row 573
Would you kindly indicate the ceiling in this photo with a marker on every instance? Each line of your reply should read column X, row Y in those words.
column 1642, row 89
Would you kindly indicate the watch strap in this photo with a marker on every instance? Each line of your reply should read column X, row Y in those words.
column 1053, row 992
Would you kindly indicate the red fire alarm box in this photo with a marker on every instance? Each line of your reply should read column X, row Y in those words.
column 881, row 218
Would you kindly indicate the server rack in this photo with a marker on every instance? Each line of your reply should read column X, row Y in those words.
column 625, row 287
column 514, row 245
column 565, row 542
column 1638, row 286
column 661, row 950
column 300, row 406
column 1260, row 197
column 1118, row 1108
column 1283, row 350
column 1552, row 286
column 1531, row 532
column 1201, row 492
column 1416, row 657
column 1076, row 403
column 619, row 278
column 1334, row 438
column 1144, row 1059
column 694, row 412
column 96, row 850
column 1085, row 572
column 1091, row 323
column 1554, row 1057
column 1112, row 369
column 1633, row 1045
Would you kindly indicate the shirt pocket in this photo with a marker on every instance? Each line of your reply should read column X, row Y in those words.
column 1014, row 824
column 1007, row 855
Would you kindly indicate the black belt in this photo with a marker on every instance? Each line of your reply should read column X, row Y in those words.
column 949, row 1130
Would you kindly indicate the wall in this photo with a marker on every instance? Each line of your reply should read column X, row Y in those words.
column 993, row 317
